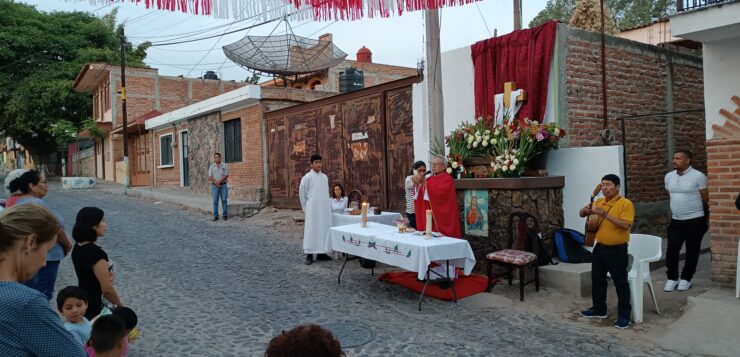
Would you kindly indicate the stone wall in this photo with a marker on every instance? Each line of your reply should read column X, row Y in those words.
column 545, row 203
column 641, row 79
column 205, row 135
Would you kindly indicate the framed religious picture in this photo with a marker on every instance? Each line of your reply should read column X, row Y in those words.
column 476, row 213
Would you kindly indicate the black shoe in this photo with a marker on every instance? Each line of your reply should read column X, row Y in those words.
column 323, row 257
column 215, row 218
column 226, row 218
column 309, row 259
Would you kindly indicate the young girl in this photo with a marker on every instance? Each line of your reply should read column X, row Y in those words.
column 91, row 261
column 339, row 200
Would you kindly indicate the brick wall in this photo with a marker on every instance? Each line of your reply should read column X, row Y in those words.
column 641, row 79
column 723, row 158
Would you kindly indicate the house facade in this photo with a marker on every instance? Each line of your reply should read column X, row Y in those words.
column 716, row 24
column 146, row 91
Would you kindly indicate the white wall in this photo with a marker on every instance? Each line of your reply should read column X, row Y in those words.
column 721, row 79
column 458, row 97
column 583, row 169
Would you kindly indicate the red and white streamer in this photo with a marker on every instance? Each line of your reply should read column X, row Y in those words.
column 321, row 10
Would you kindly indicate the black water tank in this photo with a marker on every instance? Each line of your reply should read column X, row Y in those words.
column 210, row 75
column 351, row 80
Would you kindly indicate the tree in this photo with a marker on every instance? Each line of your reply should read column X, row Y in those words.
column 40, row 57
column 254, row 79
column 587, row 16
column 625, row 13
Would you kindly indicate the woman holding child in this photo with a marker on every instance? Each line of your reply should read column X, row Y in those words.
column 28, row 326
column 91, row 261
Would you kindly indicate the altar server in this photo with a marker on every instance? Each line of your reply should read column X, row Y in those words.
column 316, row 205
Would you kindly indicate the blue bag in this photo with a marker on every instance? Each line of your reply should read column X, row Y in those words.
column 569, row 246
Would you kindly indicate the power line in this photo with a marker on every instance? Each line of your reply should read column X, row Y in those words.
column 214, row 36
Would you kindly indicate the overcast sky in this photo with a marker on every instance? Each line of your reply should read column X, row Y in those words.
column 397, row 40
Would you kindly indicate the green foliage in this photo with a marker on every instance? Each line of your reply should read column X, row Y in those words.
column 254, row 79
column 63, row 131
column 625, row 13
column 92, row 127
column 40, row 57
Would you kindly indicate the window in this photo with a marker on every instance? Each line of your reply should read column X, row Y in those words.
column 233, row 140
column 165, row 150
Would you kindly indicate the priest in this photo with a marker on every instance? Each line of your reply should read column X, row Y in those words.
column 316, row 205
column 436, row 192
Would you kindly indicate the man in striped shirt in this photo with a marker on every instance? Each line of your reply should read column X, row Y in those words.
column 419, row 170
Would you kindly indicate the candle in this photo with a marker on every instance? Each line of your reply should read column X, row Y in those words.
column 429, row 224
column 364, row 214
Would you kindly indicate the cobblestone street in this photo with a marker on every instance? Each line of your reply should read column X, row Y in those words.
column 206, row 288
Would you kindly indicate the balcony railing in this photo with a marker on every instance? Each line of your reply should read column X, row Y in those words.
column 685, row 5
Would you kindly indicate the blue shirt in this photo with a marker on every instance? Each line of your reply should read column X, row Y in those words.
column 80, row 331
column 28, row 326
column 56, row 253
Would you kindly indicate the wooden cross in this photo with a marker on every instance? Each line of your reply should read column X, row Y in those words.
column 511, row 87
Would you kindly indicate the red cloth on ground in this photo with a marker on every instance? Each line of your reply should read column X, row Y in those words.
column 524, row 57
column 442, row 202
column 464, row 285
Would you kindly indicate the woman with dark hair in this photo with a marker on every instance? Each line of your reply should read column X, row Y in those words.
column 91, row 261
column 32, row 187
column 13, row 195
column 305, row 341
column 338, row 199
column 420, row 169
column 29, row 326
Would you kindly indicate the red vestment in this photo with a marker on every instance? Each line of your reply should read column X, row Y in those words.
column 442, row 202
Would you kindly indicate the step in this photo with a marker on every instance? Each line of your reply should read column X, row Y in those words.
column 569, row 279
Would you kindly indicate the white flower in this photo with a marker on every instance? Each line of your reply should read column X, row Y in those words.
column 454, row 164
column 477, row 134
column 479, row 139
column 486, row 137
column 504, row 168
column 488, row 132
column 484, row 143
column 556, row 132
column 499, row 158
column 449, row 170
column 494, row 141
column 493, row 164
column 470, row 146
column 516, row 161
column 470, row 139
column 513, row 167
column 495, row 132
column 475, row 144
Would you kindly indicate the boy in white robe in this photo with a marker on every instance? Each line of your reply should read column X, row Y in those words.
column 316, row 205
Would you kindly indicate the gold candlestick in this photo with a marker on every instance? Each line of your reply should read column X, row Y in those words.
column 364, row 214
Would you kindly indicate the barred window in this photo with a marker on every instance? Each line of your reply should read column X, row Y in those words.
column 233, row 140
column 165, row 150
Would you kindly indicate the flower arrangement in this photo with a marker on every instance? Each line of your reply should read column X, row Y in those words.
column 509, row 145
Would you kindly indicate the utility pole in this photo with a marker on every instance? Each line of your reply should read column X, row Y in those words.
column 434, row 79
column 517, row 15
column 605, row 135
column 123, row 111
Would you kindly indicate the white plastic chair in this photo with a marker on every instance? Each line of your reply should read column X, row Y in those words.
column 644, row 249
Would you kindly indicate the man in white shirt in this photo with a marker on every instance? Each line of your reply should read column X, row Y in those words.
column 316, row 204
column 218, row 176
column 687, row 188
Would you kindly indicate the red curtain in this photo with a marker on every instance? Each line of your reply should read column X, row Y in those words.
column 523, row 57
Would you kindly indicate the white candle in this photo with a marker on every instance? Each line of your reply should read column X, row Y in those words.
column 429, row 223
column 364, row 214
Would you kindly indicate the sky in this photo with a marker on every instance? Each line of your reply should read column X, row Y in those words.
column 397, row 40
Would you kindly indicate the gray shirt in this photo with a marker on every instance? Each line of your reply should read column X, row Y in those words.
column 218, row 172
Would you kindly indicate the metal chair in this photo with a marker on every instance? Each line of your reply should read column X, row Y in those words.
column 517, row 258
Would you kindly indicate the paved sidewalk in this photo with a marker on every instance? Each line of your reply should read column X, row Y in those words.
column 201, row 202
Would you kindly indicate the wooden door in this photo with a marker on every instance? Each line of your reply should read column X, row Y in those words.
column 399, row 145
column 278, row 160
column 139, row 162
column 301, row 145
column 363, row 159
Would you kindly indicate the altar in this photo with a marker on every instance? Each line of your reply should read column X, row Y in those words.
column 485, row 205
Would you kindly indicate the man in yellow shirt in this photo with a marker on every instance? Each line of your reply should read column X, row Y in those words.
column 616, row 215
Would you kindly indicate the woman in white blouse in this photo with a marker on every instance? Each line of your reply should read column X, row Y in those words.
column 339, row 199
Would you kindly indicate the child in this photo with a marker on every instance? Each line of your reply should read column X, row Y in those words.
column 130, row 320
column 107, row 337
column 72, row 304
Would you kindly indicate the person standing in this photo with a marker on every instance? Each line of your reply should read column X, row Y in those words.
column 436, row 192
column 33, row 188
column 218, row 176
column 315, row 202
column 419, row 170
column 616, row 215
column 687, row 189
